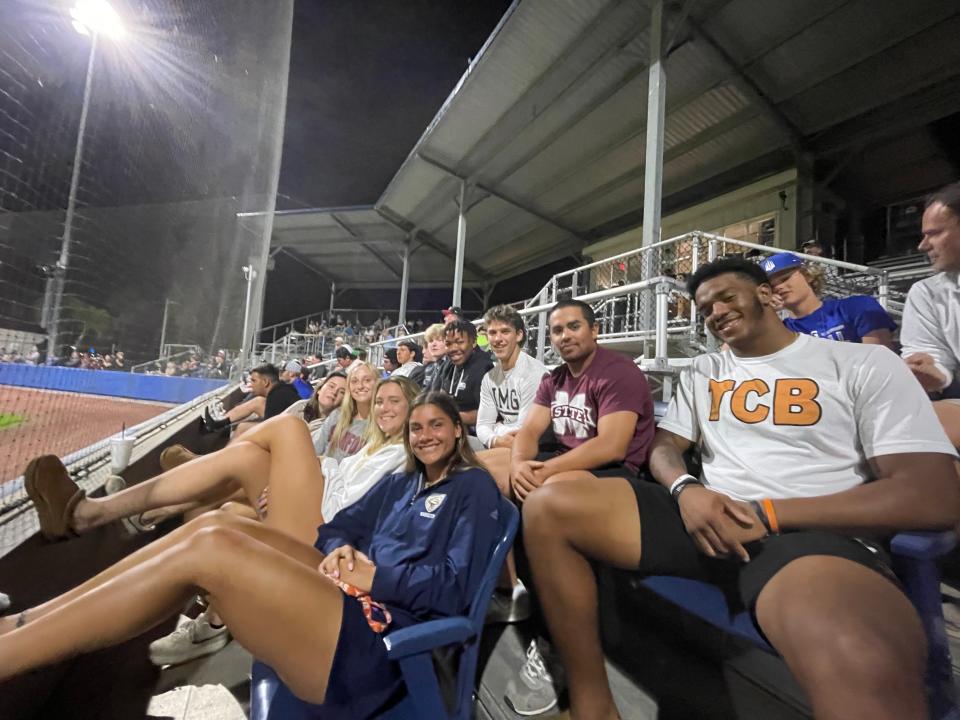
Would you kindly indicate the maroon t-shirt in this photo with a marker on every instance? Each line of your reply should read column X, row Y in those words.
column 611, row 383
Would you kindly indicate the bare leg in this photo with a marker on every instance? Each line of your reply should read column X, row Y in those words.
column 565, row 524
column 264, row 583
column 949, row 414
column 278, row 451
column 202, row 480
column 497, row 463
column 850, row 637
column 253, row 406
column 295, row 499
column 241, row 429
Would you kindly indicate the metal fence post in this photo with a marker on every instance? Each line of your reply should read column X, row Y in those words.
column 542, row 327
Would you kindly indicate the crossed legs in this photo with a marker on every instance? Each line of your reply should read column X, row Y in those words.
column 264, row 583
column 850, row 637
column 278, row 451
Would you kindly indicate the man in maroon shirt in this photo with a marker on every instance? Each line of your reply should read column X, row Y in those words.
column 600, row 408
column 597, row 403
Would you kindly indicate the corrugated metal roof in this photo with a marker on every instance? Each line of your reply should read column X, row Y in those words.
column 551, row 114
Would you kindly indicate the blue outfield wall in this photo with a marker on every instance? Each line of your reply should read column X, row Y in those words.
column 112, row 383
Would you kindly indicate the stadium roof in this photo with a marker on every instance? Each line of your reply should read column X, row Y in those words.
column 548, row 123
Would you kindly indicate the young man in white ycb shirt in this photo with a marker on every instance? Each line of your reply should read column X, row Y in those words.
column 813, row 453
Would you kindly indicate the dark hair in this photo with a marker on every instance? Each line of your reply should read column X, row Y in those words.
column 413, row 347
column 948, row 196
column 461, row 326
column 506, row 315
column 463, row 455
column 391, row 355
column 585, row 309
column 305, row 372
column 268, row 371
column 342, row 352
column 744, row 268
column 311, row 411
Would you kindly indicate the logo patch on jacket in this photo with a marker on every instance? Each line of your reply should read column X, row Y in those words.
column 434, row 501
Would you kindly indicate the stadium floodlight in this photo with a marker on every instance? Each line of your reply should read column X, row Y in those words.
column 97, row 17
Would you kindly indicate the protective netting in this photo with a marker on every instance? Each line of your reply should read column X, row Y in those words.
column 135, row 264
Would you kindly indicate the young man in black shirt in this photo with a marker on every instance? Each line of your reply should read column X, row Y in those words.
column 463, row 375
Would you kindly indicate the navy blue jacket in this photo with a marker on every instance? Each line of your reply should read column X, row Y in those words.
column 430, row 546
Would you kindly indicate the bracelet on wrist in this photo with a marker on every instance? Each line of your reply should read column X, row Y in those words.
column 761, row 513
column 682, row 482
column 771, row 514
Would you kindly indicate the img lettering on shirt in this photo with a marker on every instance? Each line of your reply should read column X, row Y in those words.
column 572, row 417
column 506, row 400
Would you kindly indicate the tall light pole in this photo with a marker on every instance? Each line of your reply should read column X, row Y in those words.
column 163, row 328
column 93, row 18
column 246, row 349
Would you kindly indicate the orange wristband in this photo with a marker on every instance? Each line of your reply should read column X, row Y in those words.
column 767, row 504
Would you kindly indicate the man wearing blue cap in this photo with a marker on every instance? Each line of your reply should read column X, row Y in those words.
column 857, row 318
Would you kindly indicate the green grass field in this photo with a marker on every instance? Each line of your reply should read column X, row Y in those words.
column 9, row 420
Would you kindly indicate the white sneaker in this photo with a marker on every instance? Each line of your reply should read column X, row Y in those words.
column 192, row 639
column 511, row 608
column 532, row 692
column 216, row 410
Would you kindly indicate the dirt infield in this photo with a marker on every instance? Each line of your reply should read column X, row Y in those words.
column 60, row 423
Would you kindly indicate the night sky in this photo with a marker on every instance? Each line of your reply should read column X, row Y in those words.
column 174, row 119
column 366, row 77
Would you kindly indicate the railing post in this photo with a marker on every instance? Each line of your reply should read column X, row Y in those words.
column 883, row 289
column 542, row 326
column 660, row 347
column 694, row 266
column 575, row 283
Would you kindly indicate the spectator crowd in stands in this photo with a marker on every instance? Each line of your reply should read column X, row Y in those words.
column 813, row 441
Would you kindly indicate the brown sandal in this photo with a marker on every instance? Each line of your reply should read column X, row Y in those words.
column 54, row 494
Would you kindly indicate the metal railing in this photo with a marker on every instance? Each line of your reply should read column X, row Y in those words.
column 654, row 318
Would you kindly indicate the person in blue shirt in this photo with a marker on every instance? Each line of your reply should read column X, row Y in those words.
column 414, row 548
column 858, row 318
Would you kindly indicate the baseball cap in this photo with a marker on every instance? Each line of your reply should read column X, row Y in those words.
column 780, row 262
column 452, row 310
column 293, row 366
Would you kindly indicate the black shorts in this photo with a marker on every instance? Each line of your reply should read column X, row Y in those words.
column 612, row 470
column 667, row 549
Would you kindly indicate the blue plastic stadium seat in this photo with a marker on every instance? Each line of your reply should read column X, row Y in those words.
column 915, row 557
column 412, row 647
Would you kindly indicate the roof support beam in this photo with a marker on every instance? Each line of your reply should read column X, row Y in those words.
column 428, row 240
column 748, row 85
column 294, row 255
column 366, row 246
column 505, row 198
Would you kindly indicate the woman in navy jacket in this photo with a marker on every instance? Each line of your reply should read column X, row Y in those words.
column 412, row 549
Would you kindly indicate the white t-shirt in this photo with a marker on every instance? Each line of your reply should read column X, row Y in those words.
column 347, row 481
column 803, row 421
column 931, row 322
column 406, row 369
column 508, row 396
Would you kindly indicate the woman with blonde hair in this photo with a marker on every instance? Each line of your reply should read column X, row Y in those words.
column 341, row 434
column 857, row 318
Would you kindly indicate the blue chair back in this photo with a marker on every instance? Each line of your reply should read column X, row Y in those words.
column 509, row 523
